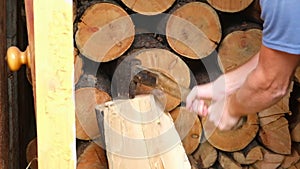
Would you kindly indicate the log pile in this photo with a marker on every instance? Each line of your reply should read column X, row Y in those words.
column 192, row 42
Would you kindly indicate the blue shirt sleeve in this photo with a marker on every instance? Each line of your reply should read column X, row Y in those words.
column 281, row 28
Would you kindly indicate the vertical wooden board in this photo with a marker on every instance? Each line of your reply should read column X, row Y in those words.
column 54, row 66
column 4, row 128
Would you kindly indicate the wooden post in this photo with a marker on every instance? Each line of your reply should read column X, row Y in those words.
column 54, row 66
column 4, row 128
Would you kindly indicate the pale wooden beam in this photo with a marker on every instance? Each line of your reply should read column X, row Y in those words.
column 54, row 61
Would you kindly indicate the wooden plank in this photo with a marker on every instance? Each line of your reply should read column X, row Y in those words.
column 54, row 65
column 4, row 128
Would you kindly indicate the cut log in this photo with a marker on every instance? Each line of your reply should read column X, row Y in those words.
column 138, row 134
column 230, row 5
column 164, row 62
column 231, row 140
column 188, row 127
column 31, row 154
column 149, row 7
column 194, row 30
column 227, row 162
column 205, row 155
column 91, row 156
column 291, row 159
column 86, row 100
column 105, row 32
column 193, row 162
column 238, row 46
column 270, row 160
column 78, row 66
column 249, row 155
column 279, row 131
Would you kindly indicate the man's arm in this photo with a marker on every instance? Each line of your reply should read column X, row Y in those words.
column 266, row 84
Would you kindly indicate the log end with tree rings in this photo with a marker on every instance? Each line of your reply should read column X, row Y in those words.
column 194, row 30
column 149, row 7
column 238, row 47
column 188, row 127
column 235, row 139
column 168, row 64
column 230, row 5
column 105, row 32
column 86, row 122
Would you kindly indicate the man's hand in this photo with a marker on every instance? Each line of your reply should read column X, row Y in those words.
column 218, row 111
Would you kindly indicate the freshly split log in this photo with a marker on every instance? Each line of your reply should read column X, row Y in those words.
column 270, row 160
column 205, row 155
column 194, row 30
column 105, row 32
column 188, row 127
column 86, row 100
column 138, row 134
column 230, row 5
column 165, row 62
column 232, row 140
column 239, row 45
column 279, row 131
column 31, row 154
column 290, row 160
column 227, row 162
column 249, row 155
column 91, row 156
column 149, row 7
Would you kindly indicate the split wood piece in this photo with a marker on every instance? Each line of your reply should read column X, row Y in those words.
column 290, row 160
column 90, row 155
column 188, row 127
column 31, row 154
column 249, row 155
column 194, row 164
column 269, row 161
column 168, row 64
column 227, row 162
column 149, row 7
column 239, row 46
column 78, row 66
column 194, row 30
column 205, row 155
column 279, row 131
column 138, row 134
column 231, row 141
column 297, row 74
column 105, row 32
column 86, row 100
column 230, row 5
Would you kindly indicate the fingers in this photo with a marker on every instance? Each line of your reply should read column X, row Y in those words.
column 199, row 107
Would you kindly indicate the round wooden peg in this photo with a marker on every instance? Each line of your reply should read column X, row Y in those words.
column 16, row 58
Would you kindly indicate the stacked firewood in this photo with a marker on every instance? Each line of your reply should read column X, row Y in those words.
column 192, row 42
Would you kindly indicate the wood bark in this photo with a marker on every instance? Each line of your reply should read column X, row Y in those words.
column 239, row 45
column 231, row 140
column 105, row 32
column 188, row 127
column 134, row 140
column 194, row 30
column 4, row 125
column 230, row 5
column 91, row 155
column 149, row 7
column 205, row 155
column 31, row 154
